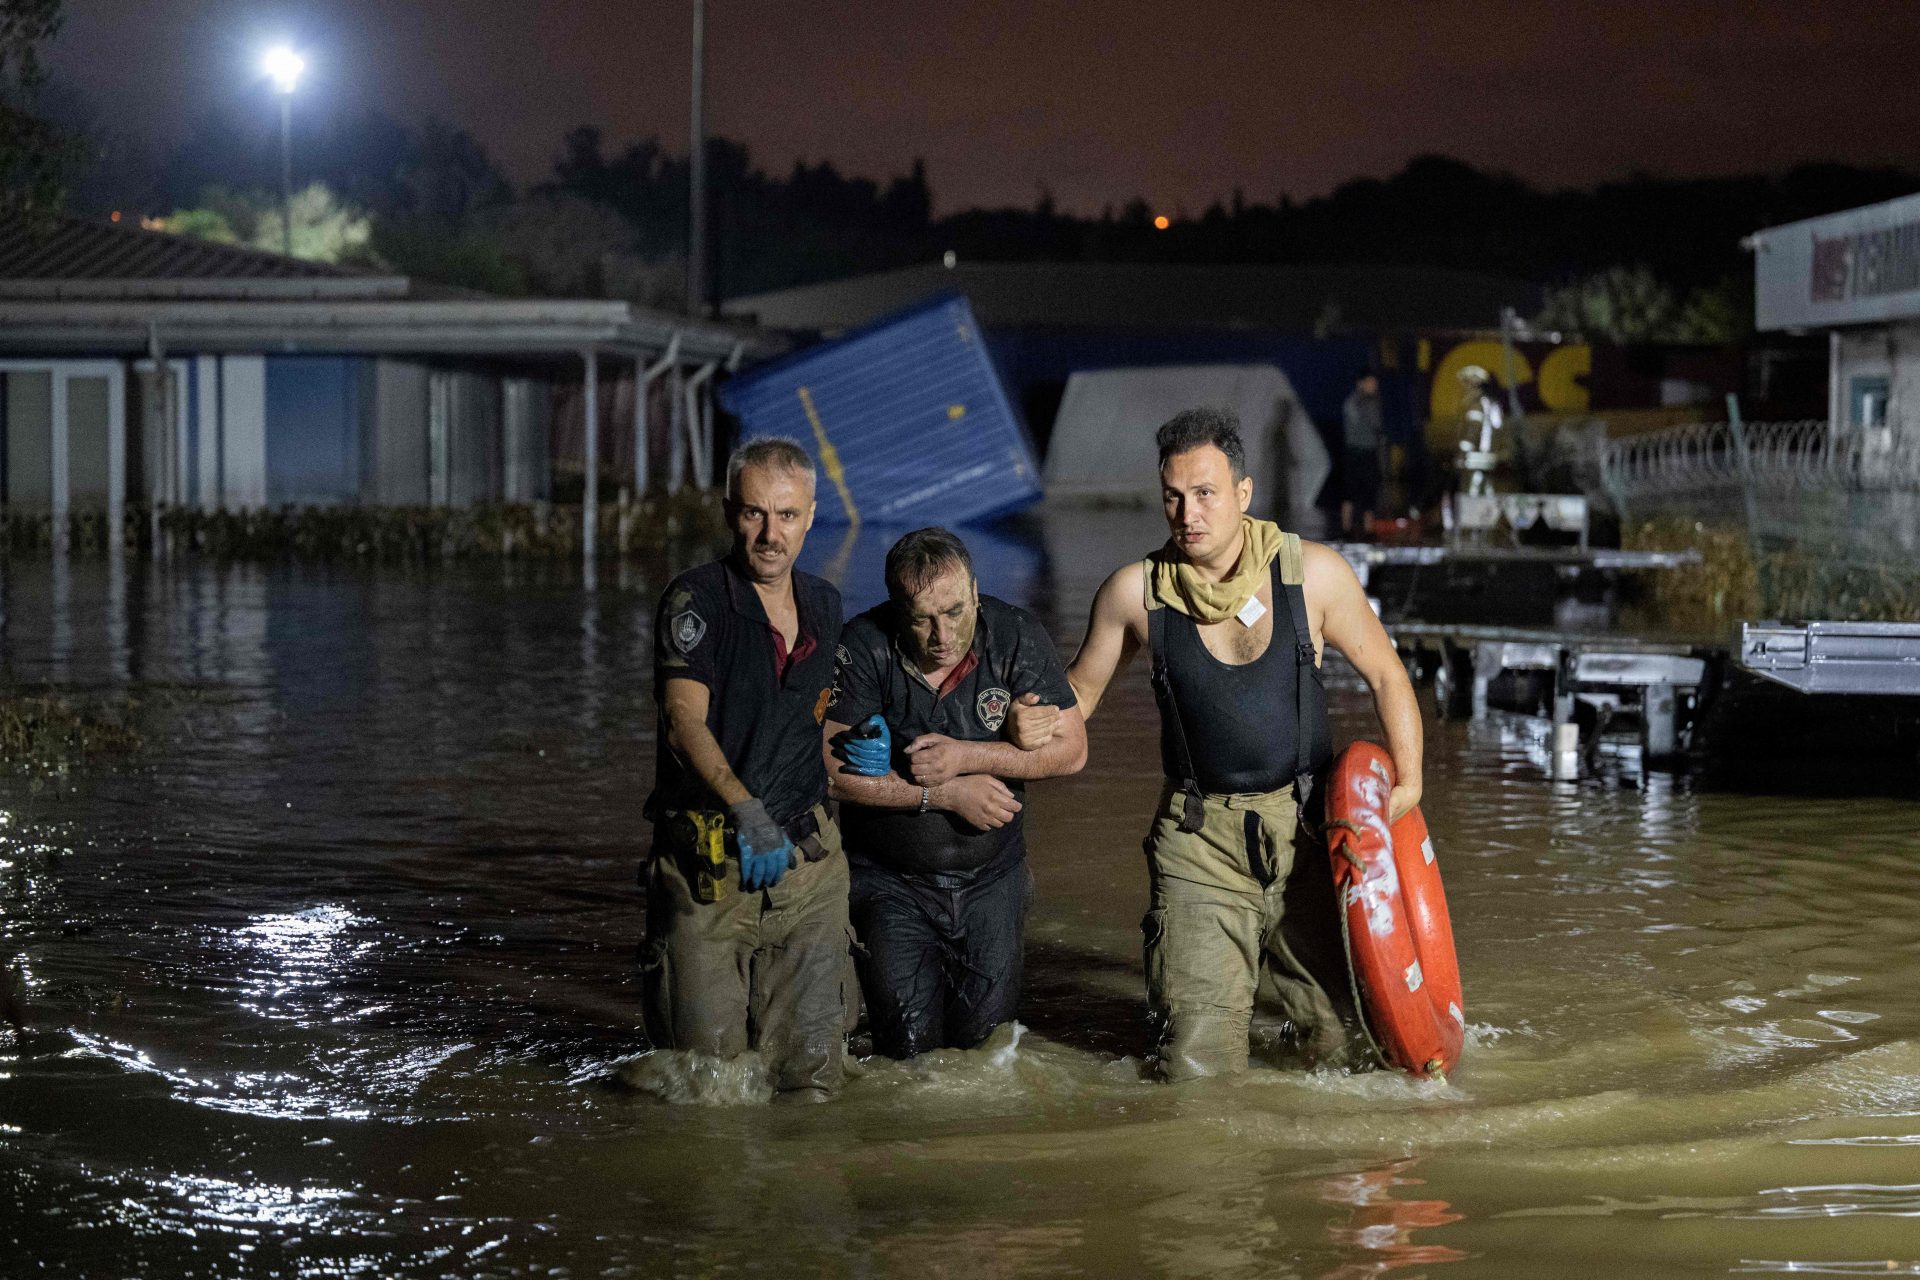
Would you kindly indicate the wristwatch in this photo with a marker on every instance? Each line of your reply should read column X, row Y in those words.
column 926, row 795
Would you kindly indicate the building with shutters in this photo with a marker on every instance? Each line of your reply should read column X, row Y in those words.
column 137, row 366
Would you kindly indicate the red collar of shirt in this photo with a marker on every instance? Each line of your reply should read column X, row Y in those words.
column 959, row 673
column 784, row 662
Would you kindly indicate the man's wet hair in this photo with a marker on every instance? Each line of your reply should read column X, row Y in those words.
column 922, row 556
column 775, row 453
column 1207, row 425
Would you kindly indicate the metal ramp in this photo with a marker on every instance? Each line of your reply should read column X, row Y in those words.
column 1872, row 658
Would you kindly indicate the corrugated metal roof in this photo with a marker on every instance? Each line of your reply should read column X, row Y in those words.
column 72, row 249
column 908, row 419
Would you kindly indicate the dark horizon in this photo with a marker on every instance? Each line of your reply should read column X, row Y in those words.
column 1092, row 116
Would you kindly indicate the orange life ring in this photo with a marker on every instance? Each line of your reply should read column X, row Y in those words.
column 1394, row 917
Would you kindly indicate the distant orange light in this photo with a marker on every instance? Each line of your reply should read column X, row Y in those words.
column 114, row 216
column 1162, row 222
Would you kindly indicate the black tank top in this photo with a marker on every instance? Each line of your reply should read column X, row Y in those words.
column 1241, row 722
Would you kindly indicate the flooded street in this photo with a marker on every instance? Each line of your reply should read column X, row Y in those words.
column 335, row 978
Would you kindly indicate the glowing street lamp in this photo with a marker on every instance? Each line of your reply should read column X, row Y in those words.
column 283, row 66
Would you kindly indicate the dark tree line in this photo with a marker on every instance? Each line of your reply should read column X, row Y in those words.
column 612, row 221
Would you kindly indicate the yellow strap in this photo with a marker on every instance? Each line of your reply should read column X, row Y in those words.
column 829, row 456
column 1293, row 560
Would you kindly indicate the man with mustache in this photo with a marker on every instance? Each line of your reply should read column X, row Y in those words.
column 932, row 798
column 1233, row 614
column 746, row 889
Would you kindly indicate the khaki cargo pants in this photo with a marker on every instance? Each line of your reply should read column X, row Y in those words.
column 1241, row 899
column 771, row 970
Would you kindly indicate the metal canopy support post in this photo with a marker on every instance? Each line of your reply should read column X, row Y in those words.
column 644, row 377
column 676, row 436
column 699, row 415
column 161, row 437
column 590, row 501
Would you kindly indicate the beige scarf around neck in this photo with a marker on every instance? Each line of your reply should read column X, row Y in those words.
column 1172, row 580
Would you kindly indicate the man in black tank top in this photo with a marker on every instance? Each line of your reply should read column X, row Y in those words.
column 1233, row 613
column 931, row 808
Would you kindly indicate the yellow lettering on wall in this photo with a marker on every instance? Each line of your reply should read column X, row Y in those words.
column 1448, row 399
column 1560, row 387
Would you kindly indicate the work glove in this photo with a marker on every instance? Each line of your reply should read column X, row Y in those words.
column 765, row 851
column 869, row 747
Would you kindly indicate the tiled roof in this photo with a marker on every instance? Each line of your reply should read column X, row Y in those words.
column 72, row 249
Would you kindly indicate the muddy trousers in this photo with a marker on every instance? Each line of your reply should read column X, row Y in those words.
column 941, row 968
column 768, row 970
column 1232, row 904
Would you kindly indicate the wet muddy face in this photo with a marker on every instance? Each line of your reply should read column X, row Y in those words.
column 1203, row 502
column 940, row 618
column 770, row 512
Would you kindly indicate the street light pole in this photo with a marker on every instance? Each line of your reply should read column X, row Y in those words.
column 285, row 66
column 697, row 171
column 286, row 174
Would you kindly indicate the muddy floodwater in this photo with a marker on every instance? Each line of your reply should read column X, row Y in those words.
column 335, row 978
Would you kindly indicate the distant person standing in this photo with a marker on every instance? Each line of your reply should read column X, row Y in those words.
column 1363, row 445
column 747, row 940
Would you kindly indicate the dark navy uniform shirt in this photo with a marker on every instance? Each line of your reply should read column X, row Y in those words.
column 712, row 628
column 1012, row 656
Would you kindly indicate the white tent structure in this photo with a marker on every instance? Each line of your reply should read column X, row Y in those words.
column 1102, row 446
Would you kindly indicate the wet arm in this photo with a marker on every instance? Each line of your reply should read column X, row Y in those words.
column 1347, row 622
column 1065, row 753
column 687, row 734
column 1111, row 640
column 843, row 784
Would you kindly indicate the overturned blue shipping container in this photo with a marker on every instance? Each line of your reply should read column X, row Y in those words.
column 907, row 417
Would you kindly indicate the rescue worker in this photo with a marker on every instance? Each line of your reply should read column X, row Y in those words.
column 932, row 798
column 747, row 940
column 1234, row 615
column 1482, row 418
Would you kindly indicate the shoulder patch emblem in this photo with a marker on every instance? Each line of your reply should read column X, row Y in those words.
column 689, row 629
column 992, row 705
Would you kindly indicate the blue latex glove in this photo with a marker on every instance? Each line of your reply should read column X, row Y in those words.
column 765, row 851
column 870, row 756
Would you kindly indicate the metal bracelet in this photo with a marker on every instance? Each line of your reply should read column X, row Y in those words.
column 926, row 794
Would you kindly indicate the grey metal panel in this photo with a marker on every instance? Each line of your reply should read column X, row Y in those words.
column 527, row 419
column 89, row 421
column 398, row 439
column 473, row 438
column 1834, row 657
column 30, row 440
column 1636, row 669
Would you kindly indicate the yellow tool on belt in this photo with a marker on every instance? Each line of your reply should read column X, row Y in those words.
column 709, row 854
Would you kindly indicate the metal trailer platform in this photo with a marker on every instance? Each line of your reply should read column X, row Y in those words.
column 1582, row 682
column 1365, row 556
column 1585, row 682
column 1873, row 658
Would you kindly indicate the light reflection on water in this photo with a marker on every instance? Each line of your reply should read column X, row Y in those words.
column 339, row 971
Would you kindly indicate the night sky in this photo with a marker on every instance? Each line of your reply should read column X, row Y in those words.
column 1175, row 102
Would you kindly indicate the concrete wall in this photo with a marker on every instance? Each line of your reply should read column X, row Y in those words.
column 1891, row 352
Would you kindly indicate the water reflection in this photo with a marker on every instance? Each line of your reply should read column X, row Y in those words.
column 361, row 923
column 1382, row 1224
